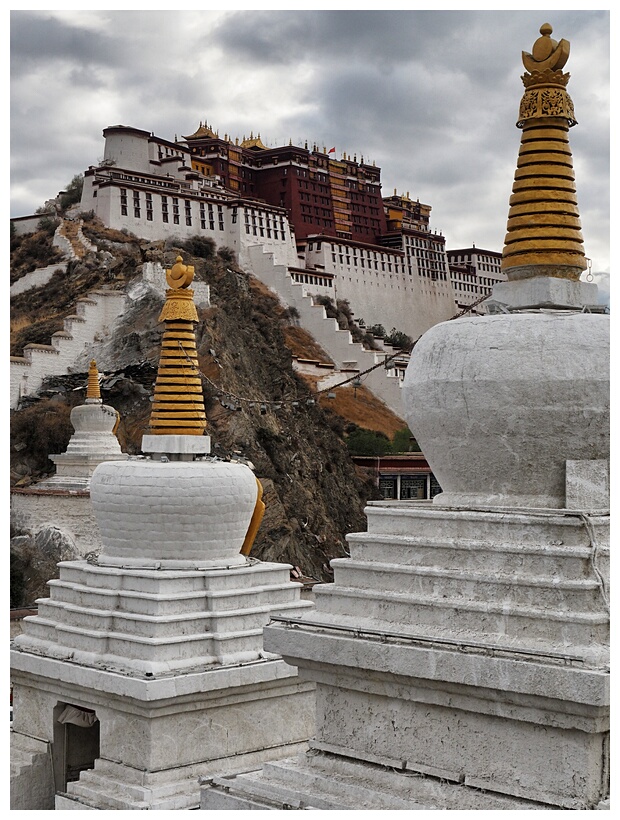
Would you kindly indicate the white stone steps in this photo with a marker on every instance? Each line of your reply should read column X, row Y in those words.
column 331, row 782
column 157, row 627
column 94, row 316
column 310, row 782
column 22, row 760
column 337, row 343
column 123, row 652
column 102, row 786
column 542, row 559
column 443, row 616
column 434, row 582
column 418, row 519
column 166, row 603
column 267, row 794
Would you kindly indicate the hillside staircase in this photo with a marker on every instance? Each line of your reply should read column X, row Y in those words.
column 71, row 242
column 70, row 239
column 93, row 321
column 349, row 357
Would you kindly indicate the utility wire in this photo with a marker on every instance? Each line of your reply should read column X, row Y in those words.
column 263, row 403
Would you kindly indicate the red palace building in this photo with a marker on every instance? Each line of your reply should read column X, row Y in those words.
column 323, row 195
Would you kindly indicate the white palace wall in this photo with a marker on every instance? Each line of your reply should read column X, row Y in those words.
column 183, row 210
column 380, row 287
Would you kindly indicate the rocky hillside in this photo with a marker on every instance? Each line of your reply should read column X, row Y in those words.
column 258, row 408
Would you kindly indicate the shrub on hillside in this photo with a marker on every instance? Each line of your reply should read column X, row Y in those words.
column 376, row 330
column 41, row 429
column 201, row 246
column 227, row 255
column 404, row 442
column 33, row 250
column 399, row 339
column 367, row 443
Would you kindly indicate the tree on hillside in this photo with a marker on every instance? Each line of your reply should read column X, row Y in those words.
column 399, row 339
column 72, row 193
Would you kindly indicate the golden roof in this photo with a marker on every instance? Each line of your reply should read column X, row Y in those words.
column 253, row 142
column 204, row 132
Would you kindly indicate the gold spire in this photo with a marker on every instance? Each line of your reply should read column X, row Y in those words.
column 93, row 390
column 544, row 231
column 178, row 407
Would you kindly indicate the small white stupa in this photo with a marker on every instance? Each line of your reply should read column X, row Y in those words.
column 462, row 653
column 93, row 442
column 145, row 668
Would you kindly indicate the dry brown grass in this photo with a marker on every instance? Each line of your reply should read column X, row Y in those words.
column 361, row 407
column 19, row 323
column 260, row 287
column 302, row 344
column 93, row 228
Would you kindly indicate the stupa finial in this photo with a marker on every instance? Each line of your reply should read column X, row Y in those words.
column 547, row 54
column 180, row 275
column 178, row 405
column 544, row 231
column 93, row 391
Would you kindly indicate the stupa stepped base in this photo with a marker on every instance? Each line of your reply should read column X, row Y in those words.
column 323, row 781
column 158, row 622
column 500, row 721
column 534, row 581
column 31, row 772
column 77, row 465
column 496, row 680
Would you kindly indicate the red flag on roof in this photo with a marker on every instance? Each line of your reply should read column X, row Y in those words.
column 332, row 150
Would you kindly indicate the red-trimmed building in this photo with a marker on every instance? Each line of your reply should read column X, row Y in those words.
column 405, row 477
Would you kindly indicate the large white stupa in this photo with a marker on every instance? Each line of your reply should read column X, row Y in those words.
column 461, row 656
column 145, row 667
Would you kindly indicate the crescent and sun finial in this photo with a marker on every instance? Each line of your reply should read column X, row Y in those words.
column 180, row 275
column 546, row 52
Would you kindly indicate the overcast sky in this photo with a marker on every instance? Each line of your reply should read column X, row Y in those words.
column 430, row 96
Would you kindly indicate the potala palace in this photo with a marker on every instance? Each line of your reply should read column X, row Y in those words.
column 306, row 224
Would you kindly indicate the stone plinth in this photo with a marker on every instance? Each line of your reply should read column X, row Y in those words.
column 544, row 292
column 172, row 664
column 467, row 651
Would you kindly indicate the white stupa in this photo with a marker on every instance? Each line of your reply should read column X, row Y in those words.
column 93, row 441
column 461, row 655
column 145, row 668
